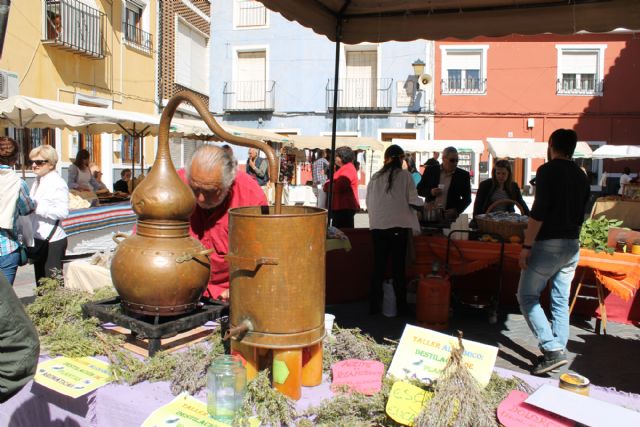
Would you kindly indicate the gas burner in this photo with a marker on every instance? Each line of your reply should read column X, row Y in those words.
column 154, row 328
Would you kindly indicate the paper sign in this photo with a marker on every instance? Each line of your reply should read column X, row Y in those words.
column 405, row 402
column 423, row 354
column 183, row 411
column 363, row 376
column 583, row 409
column 513, row 412
column 73, row 377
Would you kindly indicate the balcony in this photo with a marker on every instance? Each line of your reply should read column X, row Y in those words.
column 580, row 87
column 137, row 38
column 360, row 94
column 249, row 96
column 75, row 26
column 470, row 86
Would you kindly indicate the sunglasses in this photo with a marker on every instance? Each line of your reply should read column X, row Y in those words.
column 39, row 162
column 453, row 160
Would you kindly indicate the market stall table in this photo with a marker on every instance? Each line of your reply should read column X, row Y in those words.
column 118, row 405
column 98, row 218
column 469, row 261
column 626, row 211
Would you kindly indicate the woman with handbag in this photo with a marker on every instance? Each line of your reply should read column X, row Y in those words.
column 51, row 195
column 14, row 201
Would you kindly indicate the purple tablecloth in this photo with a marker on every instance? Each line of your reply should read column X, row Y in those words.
column 117, row 405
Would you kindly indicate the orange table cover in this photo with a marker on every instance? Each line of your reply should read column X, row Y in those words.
column 618, row 272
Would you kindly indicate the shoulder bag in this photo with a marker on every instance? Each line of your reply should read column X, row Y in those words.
column 40, row 247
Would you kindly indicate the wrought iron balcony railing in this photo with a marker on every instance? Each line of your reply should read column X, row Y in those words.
column 74, row 25
column 360, row 94
column 572, row 86
column 467, row 86
column 249, row 95
column 136, row 37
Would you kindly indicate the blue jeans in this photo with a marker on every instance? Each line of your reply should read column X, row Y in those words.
column 9, row 265
column 555, row 261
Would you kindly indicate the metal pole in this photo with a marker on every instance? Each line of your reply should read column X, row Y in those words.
column 332, row 161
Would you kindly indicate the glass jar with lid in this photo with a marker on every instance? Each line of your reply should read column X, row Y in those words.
column 226, row 385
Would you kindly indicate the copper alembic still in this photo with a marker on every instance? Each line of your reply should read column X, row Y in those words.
column 276, row 262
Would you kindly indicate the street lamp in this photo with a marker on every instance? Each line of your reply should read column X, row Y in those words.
column 418, row 67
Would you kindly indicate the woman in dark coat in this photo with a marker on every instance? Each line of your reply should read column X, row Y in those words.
column 500, row 186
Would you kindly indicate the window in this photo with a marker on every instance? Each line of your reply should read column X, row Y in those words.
column 249, row 14
column 75, row 25
column 30, row 139
column 130, row 149
column 580, row 69
column 192, row 58
column 464, row 69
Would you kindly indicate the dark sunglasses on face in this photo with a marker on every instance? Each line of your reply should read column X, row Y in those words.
column 453, row 160
column 39, row 162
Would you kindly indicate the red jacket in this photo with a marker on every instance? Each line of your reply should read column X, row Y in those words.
column 213, row 230
column 345, row 188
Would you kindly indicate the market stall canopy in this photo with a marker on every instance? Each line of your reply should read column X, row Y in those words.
column 199, row 129
column 438, row 145
column 617, row 152
column 404, row 20
column 501, row 148
column 321, row 142
column 26, row 112
column 107, row 120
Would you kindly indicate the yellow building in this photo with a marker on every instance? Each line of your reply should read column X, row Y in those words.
column 88, row 52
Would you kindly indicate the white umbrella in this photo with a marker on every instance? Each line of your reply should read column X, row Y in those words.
column 26, row 112
column 198, row 128
column 355, row 142
column 617, row 152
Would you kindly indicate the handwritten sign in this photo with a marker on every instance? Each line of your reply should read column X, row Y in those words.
column 186, row 411
column 423, row 354
column 73, row 377
column 363, row 376
column 405, row 402
column 513, row 412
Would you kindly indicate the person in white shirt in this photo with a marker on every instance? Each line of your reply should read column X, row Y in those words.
column 51, row 194
column 625, row 178
column 391, row 193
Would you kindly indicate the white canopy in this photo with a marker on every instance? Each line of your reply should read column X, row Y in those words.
column 355, row 142
column 438, row 145
column 617, row 152
column 25, row 112
column 187, row 127
column 529, row 149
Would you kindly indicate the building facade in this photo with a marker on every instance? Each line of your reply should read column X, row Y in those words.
column 88, row 52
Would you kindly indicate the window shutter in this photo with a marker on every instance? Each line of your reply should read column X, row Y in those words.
column 464, row 60
column 580, row 62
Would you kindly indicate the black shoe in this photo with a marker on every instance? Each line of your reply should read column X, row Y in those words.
column 540, row 359
column 549, row 361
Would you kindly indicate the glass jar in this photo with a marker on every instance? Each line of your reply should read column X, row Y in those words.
column 226, row 384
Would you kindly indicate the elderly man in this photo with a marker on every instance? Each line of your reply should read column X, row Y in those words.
column 447, row 185
column 257, row 167
column 218, row 187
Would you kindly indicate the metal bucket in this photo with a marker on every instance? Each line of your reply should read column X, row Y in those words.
column 277, row 275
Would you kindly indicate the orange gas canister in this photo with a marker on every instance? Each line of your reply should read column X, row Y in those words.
column 432, row 301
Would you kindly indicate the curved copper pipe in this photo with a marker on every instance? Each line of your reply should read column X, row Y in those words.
column 205, row 115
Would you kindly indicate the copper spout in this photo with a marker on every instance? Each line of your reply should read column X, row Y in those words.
column 239, row 331
column 198, row 104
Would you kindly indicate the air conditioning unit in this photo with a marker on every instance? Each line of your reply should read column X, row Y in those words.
column 8, row 84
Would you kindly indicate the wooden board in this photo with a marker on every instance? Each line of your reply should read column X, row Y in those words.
column 184, row 339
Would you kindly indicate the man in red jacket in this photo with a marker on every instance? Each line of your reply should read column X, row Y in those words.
column 218, row 187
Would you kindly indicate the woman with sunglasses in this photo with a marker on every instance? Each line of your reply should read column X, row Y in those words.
column 51, row 194
column 500, row 186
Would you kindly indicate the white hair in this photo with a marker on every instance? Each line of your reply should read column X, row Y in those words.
column 210, row 157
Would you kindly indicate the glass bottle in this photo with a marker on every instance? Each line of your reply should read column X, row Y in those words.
column 226, row 385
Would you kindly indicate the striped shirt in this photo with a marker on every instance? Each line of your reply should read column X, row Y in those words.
column 24, row 205
column 320, row 171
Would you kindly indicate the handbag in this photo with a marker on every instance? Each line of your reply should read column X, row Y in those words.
column 24, row 258
column 40, row 247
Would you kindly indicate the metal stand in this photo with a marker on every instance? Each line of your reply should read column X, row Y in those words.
column 495, row 301
column 155, row 328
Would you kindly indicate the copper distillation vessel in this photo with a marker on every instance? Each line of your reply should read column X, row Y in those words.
column 276, row 262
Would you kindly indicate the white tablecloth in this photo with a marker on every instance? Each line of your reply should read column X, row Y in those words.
column 86, row 277
column 301, row 195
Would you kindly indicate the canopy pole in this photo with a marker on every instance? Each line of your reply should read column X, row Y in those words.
column 332, row 161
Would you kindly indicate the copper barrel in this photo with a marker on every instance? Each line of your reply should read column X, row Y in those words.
column 277, row 275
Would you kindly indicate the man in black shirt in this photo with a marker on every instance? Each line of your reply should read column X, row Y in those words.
column 551, row 249
column 122, row 184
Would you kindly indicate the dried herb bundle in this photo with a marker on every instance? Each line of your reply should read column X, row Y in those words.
column 351, row 409
column 353, row 344
column 458, row 399
column 190, row 367
column 269, row 405
column 499, row 388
